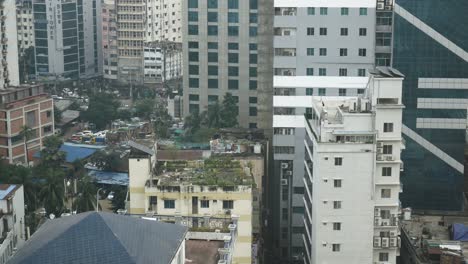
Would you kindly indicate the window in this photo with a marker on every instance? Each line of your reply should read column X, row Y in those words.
column 205, row 203
column 212, row 30
column 344, row 11
column 298, row 209
column 253, row 71
column 233, row 84
column 253, row 125
column 252, row 111
column 49, row 114
column 283, row 150
column 322, row 72
column 387, row 149
column 322, row 92
column 252, row 100
column 360, row 91
column 212, row 45
column 383, row 39
column 383, row 256
column 285, row 213
column 233, row 30
column 337, row 183
column 311, row 11
column 323, row 31
column 192, row 3
column 253, row 18
column 212, row 17
column 228, row 204
column 363, row 11
column 299, row 190
column 309, row 91
column 253, row 58
column 362, row 72
column 338, row 161
column 169, row 204
column 388, row 127
column 212, row 70
column 323, row 52
column 193, row 69
column 212, row 99
column 310, row 51
column 233, row 57
column 310, row 31
column 192, row 29
column 233, row 46
column 233, row 4
column 193, row 56
column 336, row 247
column 253, row 31
column 343, row 72
column 233, row 17
column 252, row 85
column 385, row 193
column 213, row 83
column 343, row 52
column 387, row 171
column 233, row 71
column 194, row 97
column 212, row 3
column 310, row 71
column 193, row 45
column 252, row 46
column 336, row 204
column 193, row 83
column 337, row 226
column 253, row 4
column 47, row 129
column 362, row 31
column 344, row 31
column 385, row 214
column 323, row 11
column 298, row 230
column 212, row 56
column 192, row 16
column 362, row 52
column 283, row 131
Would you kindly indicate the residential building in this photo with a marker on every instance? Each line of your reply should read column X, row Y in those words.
column 26, row 105
column 221, row 55
column 9, row 73
column 162, row 62
column 341, row 224
column 67, row 39
column 13, row 230
column 25, row 25
column 164, row 20
column 293, row 98
column 435, row 95
column 109, row 40
column 131, row 29
column 113, row 238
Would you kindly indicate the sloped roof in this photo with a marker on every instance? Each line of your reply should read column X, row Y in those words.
column 73, row 153
column 96, row 238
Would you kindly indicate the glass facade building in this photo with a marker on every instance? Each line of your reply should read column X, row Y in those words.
column 430, row 49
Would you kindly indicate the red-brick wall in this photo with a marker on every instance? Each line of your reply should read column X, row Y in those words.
column 31, row 107
column 16, row 113
column 46, row 105
column 18, row 150
column 3, row 152
column 3, row 128
column 16, row 125
column 45, row 119
column 3, row 114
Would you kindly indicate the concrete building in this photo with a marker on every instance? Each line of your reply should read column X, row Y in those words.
column 67, row 39
column 293, row 97
column 26, row 105
column 436, row 92
column 162, row 62
column 164, row 20
column 342, row 225
column 13, row 231
column 9, row 73
column 109, row 40
column 25, row 24
column 221, row 56
column 131, row 29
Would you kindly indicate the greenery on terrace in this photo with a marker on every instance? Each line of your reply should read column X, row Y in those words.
column 216, row 171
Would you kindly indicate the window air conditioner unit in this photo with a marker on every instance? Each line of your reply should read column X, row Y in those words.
column 393, row 242
column 379, row 157
column 284, row 182
column 377, row 242
column 378, row 221
column 385, row 222
column 379, row 150
column 385, row 242
column 284, row 165
column 393, row 234
column 380, row 144
column 377, row 212
column 380, row 6
column 389, row 158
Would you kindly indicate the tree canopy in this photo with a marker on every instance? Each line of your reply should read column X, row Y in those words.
column 102, row 110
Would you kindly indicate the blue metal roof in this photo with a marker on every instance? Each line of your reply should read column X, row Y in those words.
column 109, row 177
column 4, row 193
column 73, row 153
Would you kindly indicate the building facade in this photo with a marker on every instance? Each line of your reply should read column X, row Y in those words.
column 342, row 225
column 221, row 55
column 109, row 40
column 9, row 73
column 25, row 24
column 164, row 20
column 24, row 106
column 67, row 39
column 432, row 54
column 13, row 222
column 162, row 62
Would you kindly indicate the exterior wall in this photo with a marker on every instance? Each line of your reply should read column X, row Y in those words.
column 9, row 72
column 25, row 25
column 162, row 61
column 109, row 39
column 139, row 172
column 179, row 257
column 164, row 20
column 247, row 59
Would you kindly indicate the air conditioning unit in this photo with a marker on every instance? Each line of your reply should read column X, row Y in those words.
column 380, row 144
column 393, row 234
column 288, row 173
column 377, row 212
column 385, row 242
column 379, row 150
column 380, row 157
column 393, row 242
column 380, row 6
column 284, row 181
column 377, row 221
column 385, row 222
column 377, row 242
column 284, row 165
column 389, row 158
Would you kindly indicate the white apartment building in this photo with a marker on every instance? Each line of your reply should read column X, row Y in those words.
column 109, row 39
column 12, row 229
column 164, row 20
column 25, row 24
column 352, row 180
column 293, row 97
column 162, row 61
column 9, row 73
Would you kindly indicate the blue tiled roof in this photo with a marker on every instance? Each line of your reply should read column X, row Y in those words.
column 96, row 238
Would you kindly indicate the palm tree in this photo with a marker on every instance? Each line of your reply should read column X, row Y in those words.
column 86, row 200
column 26, row 133
column 52, row 193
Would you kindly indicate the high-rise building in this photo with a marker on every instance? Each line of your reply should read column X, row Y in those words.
column 25, row 24
column 67, row 38
column 131, row 29
column 221, row 55
column 9, row 74
column 164, row 20
column 163, row 62
column 352, row 174
column 431, row 50
column 109, row 39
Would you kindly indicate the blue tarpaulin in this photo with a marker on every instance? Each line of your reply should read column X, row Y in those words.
column 73, row 153
column 460, row 232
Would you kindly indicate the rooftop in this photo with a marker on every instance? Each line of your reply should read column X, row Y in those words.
column 320, row 82
column 203, row 252
column 96, row 238
column 8, row 190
